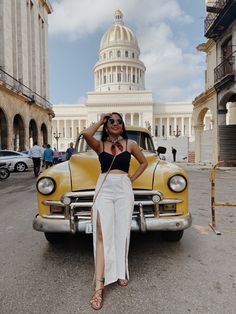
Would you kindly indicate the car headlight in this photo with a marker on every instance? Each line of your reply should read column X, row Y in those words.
column 46, row 185
column 177, row 183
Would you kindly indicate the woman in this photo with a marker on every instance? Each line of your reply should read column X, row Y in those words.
column 113, row 202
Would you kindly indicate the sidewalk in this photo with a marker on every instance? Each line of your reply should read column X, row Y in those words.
column 202, row 166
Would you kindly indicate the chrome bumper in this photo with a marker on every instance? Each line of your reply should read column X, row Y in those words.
column 143, row 224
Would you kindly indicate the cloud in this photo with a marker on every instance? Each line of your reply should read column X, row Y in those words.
column 80, row 18
column 173, row 73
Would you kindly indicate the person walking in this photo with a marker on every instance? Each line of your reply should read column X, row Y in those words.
column 48, row 156
column 36, row 153
column 174, row 151
column 55, row 156
column 113, row 202
column 70, row 151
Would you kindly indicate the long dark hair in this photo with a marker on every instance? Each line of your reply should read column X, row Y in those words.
column 104, row 131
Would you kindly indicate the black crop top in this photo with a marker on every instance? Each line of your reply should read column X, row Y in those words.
column 121, row 161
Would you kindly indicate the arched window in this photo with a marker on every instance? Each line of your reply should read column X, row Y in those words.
column 133, row 55
column 104, row 56
column 118, row 53
column 126, row 54
column 110, row 54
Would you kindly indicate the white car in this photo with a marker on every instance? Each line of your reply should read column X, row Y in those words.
column 18, row 161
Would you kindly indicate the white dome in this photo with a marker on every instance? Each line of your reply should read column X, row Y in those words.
column 119, row 68
column 118, row 34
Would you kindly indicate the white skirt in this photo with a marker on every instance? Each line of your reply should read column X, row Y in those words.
column 114, row 204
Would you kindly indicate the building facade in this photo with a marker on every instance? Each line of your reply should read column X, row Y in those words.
column 25, row 111
column 119, row 80
column 219, row 96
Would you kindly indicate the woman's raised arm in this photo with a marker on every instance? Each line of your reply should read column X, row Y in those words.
column 90, row 131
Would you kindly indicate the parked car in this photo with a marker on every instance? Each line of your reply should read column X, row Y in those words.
column 65, row 193
column 19, row 161
column 62, row 156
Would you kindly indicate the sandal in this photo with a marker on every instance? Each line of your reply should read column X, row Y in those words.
column 123, row 282
column 97, row 298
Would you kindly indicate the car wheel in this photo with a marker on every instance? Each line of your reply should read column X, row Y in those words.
column 4, row 173
column 20, row 167
column 55, row 238
column 172, row 236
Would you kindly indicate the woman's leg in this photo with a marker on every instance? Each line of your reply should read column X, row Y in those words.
column 97, row 299
column 99, row 271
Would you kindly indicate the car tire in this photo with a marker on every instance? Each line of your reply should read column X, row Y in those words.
column 4, row 173
column 172, row 236
column 20, row 167
column 55, row 237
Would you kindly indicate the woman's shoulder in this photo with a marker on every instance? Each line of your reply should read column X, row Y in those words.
column 131, row 142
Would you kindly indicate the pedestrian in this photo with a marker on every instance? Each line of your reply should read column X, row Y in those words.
column 48, row 156
column 36, row 154
column 174, row 151
column 113, row 202
column 43, row 149
column 55, row 156
column 70, row 151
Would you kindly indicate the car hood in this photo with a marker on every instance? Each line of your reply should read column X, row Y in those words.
column 85, row 169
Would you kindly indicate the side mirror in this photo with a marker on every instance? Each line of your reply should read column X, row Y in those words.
column 161, row 150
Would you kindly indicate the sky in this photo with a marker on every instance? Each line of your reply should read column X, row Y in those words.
column 167, row 31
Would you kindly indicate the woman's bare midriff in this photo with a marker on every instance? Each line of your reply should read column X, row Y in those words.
column 117, row 171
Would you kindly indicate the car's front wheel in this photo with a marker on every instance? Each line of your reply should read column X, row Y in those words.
column 20, row 167
column 4, row 173
column 55, row 238
column 172, row 236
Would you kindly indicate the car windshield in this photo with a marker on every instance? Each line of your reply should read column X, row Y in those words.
column 141, row 138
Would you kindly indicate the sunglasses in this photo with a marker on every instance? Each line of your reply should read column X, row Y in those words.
column 112, row 121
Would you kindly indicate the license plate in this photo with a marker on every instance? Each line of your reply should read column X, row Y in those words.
column 89, row 228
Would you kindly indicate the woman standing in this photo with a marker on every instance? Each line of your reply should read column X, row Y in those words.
column 113, row 206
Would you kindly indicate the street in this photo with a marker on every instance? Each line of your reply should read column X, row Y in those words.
column 195, row 275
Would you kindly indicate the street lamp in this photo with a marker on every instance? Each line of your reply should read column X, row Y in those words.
column 57, row 136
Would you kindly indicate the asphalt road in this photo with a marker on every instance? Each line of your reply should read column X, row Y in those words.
column 195, row 275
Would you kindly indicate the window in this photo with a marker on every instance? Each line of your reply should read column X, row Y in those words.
column 118, row 53
column 156, row 130
column 118, row 77
column 133, row 78
column 6, row 153
column 163, row 131
column 104, row 79
column 133, row 55
column 226, row 48
column 110, row 54
column 126, row 54
column 104, row 56
column 170, row 129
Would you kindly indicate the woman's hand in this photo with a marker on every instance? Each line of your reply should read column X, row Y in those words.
column 104, row 117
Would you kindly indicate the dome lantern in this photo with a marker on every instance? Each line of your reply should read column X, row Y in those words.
column 118, row 18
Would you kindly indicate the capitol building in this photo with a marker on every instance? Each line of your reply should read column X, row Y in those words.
column 119, row 80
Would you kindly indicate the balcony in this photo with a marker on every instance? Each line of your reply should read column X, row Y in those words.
column 221, row 14
column 224, row 73
column 18, row 87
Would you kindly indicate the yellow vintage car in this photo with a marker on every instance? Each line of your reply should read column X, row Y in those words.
column 66, row 190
